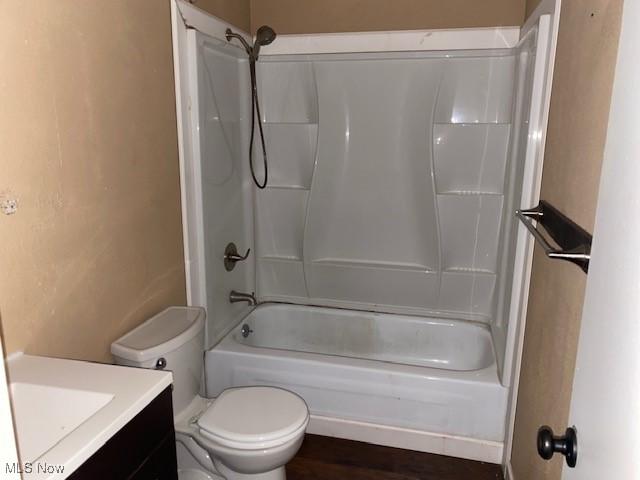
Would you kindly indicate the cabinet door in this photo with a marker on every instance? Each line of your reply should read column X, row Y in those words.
column 145, row 448
column 161, row 464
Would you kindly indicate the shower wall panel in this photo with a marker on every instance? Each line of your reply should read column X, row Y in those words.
column 387, row 180
column 520, row 151
column 372, row 207
column 226, row 208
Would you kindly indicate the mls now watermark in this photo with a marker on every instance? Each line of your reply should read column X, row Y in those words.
column 33, row 467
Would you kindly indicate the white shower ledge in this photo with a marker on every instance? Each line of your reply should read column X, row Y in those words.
column 65, row 410
column 395, row 41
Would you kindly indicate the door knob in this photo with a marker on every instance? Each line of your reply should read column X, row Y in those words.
column 567, row 445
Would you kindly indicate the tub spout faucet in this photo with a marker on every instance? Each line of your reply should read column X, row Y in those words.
column 235, row 297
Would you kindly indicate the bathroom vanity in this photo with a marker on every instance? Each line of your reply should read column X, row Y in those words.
column 82, row 420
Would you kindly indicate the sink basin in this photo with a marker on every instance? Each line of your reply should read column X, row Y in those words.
column 66, row 410
column 44, row 415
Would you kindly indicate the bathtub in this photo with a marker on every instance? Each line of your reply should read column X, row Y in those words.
column 425, row 384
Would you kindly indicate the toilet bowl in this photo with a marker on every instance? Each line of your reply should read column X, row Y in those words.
column 247, row 433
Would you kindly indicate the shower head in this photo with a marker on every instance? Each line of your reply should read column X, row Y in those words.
column 264, row 36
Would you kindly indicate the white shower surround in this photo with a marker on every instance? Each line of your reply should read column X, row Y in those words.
column 387, row 180
column 506, row 337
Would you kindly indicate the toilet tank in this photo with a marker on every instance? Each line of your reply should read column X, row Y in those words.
column 171, row 340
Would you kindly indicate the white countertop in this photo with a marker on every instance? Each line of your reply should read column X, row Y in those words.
column 125, row 392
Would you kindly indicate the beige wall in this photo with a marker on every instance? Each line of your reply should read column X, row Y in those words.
column 88, row 142
column 296, row 16
column 236, row 12
column 530, row 7
column 306, row 16
column 583, row 78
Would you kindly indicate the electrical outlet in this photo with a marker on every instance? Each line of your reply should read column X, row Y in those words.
column 8, row 204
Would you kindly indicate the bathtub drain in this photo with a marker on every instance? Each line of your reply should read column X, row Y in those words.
column 246, row 330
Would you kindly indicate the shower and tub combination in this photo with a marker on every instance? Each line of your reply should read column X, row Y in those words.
column 372, row 220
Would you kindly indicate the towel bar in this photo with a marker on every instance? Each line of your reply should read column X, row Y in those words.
column 573, row 240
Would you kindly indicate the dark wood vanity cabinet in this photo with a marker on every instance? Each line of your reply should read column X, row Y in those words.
column 144, row 449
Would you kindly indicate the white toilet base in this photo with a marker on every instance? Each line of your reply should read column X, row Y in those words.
column 193, row 462
column 277, row 474
column 193, row 474
column 191, row 469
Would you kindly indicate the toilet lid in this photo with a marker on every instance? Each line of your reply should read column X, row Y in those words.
column 161, row 334
column 254, row 415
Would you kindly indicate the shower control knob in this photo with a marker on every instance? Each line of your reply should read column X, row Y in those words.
column 567, row 445
column 231, row 256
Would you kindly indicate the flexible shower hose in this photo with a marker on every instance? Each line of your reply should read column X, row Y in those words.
column 255, row 111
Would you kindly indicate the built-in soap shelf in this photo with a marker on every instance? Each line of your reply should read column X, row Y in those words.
column 476, row 288
column 466, row 270
column 469, row 231
column 291, row 150
column 291, row 133
column 301, row 123
column 467, row 193
column 281, row 277
column 339, row 262
column 281, row 258
column 469, row 162
column 281, row 217
column 287, row 187
column 470, row 158
column 289, row 92
column 471, row 124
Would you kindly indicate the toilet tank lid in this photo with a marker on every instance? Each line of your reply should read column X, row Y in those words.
column 160, row 335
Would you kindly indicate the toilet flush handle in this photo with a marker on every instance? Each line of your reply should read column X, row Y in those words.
column 161, row 363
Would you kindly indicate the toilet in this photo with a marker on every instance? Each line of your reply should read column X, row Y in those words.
column 247, row 433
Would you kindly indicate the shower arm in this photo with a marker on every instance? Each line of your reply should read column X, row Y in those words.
column 231, row 34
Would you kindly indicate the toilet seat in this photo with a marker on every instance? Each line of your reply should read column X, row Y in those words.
column 250, row 418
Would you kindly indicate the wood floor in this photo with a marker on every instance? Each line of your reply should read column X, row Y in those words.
column 324, row 458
